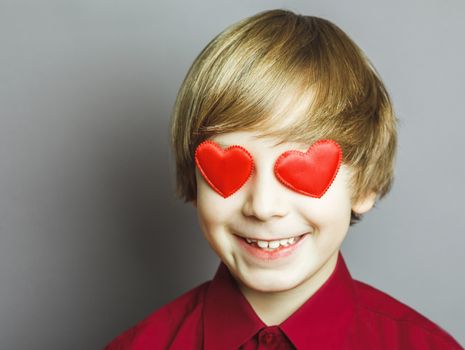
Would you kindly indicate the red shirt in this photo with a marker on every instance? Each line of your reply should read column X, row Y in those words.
column 342, row 314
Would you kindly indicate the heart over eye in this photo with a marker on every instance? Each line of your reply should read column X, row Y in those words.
column 224, row 170
column 310, row 173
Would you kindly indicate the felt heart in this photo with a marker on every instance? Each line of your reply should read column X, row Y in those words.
column 225, row 170
column 310, row 173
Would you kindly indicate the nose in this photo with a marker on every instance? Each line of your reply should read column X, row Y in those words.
column 265, row 198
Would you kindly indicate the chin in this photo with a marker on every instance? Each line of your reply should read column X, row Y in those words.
column 271, row 288
column 271, row 282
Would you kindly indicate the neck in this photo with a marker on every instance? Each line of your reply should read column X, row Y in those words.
column 275, row 307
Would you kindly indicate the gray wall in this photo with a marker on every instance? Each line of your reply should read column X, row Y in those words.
column 92, row 238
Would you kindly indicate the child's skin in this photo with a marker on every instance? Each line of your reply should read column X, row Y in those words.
column 263, row 208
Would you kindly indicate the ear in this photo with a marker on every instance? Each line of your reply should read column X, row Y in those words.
column 364, row 204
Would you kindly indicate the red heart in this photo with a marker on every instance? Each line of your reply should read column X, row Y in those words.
column 310, row 173
column 225, row 170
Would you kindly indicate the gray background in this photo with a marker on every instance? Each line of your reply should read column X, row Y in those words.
column 92, row 238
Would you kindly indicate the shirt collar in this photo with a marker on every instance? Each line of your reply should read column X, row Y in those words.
column 229, row 320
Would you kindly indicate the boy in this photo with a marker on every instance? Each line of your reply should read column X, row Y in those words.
column 284, row 136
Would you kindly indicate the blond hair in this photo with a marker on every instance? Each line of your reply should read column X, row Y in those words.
column 252, row 76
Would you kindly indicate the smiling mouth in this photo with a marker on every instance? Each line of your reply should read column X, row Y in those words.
column 273, row 245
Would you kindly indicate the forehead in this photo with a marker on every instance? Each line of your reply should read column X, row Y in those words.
column 257, row 140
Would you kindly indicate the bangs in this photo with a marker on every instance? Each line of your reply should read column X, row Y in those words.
column 295, row 81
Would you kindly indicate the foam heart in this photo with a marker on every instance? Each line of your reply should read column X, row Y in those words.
column 224, row 170
column 310, row 173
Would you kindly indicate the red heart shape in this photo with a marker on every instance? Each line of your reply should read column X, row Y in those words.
column 225, row 170
column 310, row 173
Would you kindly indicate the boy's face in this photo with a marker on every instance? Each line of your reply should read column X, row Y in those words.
column 264, row 209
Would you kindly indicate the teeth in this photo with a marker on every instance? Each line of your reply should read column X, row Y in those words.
column 272, row 244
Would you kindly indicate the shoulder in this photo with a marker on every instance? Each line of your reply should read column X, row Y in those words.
column 157, row 331
column 383, row 316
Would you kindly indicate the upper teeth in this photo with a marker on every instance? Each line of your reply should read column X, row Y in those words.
column 272, row 244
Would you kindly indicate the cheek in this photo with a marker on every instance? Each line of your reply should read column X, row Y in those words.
column 212, row 208
column 332, row 211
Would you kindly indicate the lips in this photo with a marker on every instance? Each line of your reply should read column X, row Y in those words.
column 256, row 237
column 271, row 253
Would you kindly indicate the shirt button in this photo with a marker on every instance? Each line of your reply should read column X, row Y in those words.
column 269, row 336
